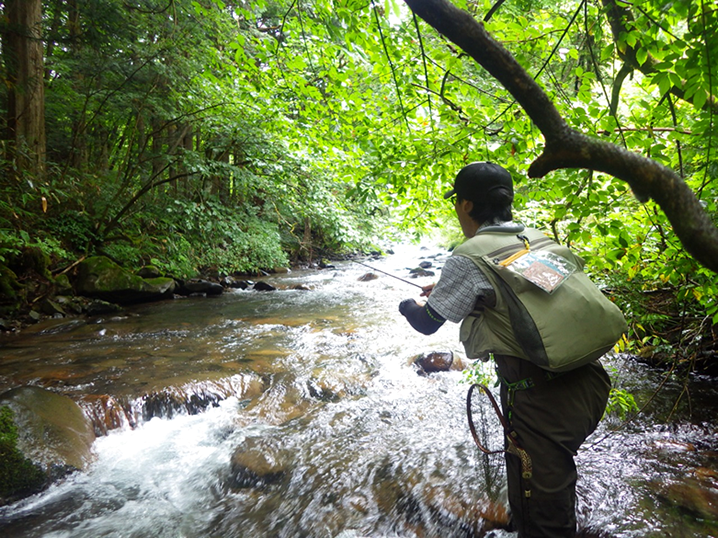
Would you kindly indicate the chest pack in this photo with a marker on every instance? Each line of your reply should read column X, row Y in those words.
column 558, row 328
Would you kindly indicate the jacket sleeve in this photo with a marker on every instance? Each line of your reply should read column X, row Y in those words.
column 422, row 317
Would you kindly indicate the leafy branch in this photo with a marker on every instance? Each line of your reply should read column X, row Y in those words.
column 620, row 19
column 567, row 148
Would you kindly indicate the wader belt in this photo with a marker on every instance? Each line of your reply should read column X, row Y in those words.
column 513, row 445
column 524, row 384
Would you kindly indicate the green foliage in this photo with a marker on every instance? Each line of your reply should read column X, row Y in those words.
column 621, row 404
column 10, row 244
column 73, row 228
column 17, row 473
column 13, row 243
column 204, row 236
column 479, row 372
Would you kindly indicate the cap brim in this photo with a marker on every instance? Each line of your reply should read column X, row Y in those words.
column 449, row 194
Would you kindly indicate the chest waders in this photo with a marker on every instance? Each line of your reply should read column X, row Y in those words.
column 512, row 442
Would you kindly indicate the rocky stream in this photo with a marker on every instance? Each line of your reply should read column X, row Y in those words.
column 300, row 413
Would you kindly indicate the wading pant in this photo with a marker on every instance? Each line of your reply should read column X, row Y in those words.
column 551, row 419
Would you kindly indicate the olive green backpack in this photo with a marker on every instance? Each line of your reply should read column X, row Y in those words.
column 571, row 326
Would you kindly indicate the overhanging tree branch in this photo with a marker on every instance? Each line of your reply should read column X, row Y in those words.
column 568, row 148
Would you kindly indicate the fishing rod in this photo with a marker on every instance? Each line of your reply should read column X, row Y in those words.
column 389, row 274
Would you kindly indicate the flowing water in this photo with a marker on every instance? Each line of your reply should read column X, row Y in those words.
column 298, row 413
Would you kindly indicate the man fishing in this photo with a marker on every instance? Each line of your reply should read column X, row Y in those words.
column 504, row 284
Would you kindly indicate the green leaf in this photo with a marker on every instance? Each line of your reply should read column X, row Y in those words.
column 700, row 98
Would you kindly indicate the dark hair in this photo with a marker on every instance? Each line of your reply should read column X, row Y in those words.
column 495, row 206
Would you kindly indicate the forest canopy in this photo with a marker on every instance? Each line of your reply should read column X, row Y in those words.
column 235, row 136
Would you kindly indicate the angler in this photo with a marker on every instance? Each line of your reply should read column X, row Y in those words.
column 524, row 301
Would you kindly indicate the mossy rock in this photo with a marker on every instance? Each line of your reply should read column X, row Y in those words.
column 149, row 271
column 99, row 277
column 32, row 260
column 43, row 436
column 18, row 475
column 9, row 284
column 53, row 431
column 63, row 285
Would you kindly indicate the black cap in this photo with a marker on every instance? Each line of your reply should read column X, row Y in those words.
column 476, row 180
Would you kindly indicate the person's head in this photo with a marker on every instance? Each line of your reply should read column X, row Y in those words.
column 484, row 192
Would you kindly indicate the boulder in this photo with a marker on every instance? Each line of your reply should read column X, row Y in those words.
column 99, row 277
column 9, row 284
column 366, row 277
column 235, row 283
column 99, row 307
column 197, row 286
column 53, row 430
column 435, row 361
column 50, row 307
column 149, row 271
column 420, row 272
column 260, row 285
column 72, row 305
column 63, row 285
column 19, row 477
column 51, row 434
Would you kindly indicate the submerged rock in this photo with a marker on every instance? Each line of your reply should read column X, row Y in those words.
column 425, row 509
column 259, row 462
column 692, row 494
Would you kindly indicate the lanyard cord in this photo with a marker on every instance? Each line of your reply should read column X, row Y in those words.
column 514, row 447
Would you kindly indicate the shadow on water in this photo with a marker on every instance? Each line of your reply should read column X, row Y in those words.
column 297, row 413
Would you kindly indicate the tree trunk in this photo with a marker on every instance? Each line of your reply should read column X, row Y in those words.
column 23, row 56
column 79, row 158
column 566, row 147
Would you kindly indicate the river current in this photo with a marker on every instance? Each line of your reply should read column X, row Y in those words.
column 299, row 413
